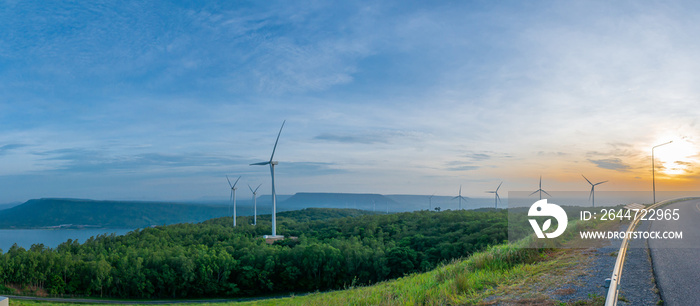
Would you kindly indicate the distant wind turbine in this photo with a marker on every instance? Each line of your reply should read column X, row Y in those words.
column 430, row 202
column 272, row 174
column 496, row 198
column 592, row 194
column 233, row 197
column 541, row 190
column 255, row 203
column 460, row 197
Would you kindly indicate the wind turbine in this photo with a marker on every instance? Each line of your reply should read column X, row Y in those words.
column 460, row 197
column 233, row 197
column 496, row 198
column 255, row 203
column 540, row 190
column 592, row 194
column 430, row 202
column 272, row 174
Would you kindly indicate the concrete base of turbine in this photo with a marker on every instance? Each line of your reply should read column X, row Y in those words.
column 271, row 239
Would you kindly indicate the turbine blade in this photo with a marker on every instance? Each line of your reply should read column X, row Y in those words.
column 586, row 179
column 260, row 163
column 278, row 139
column 499, row 186
column 457, row 197
column 234, row 184
column 251, row 188
column 600, row 183
column 534, row 192
column 590, row 194
column 547, row 193
column 256, row 189
column 229, row 182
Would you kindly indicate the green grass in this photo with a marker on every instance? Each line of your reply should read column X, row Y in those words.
column 501, row 272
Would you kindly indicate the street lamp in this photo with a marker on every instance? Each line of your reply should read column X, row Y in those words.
column 653, row 179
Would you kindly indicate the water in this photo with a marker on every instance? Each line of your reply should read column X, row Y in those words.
column 50, row 238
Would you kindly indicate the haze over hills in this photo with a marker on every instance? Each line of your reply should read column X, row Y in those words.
column 9, row 205
column 80, row 213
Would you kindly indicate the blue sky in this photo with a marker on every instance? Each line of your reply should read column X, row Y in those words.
column 160, row 100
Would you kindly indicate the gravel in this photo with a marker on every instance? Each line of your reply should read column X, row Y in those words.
column 637, row 285
column 592, row 283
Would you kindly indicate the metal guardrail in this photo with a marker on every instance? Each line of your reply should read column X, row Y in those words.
column 611, row 298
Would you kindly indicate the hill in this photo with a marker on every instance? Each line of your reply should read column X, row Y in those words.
column 77, row 213
column 363, row 201
column 81, row 213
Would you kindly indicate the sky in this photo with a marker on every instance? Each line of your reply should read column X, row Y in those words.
column 156, row 100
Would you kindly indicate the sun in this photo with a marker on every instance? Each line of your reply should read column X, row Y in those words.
column 677, row 157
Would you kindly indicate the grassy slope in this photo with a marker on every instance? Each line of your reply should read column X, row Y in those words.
column 490, row 277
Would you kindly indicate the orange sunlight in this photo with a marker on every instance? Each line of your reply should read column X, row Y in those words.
column 676, row 158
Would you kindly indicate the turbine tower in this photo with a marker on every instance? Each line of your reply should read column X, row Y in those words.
column 540, row 190
column 496, row 198
column 430, row 202
column 460, row 197
column 592, row 194
column 272, row 174
column 255, row 203
column 233, row 197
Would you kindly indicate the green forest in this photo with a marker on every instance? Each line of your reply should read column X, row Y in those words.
column 335, row 249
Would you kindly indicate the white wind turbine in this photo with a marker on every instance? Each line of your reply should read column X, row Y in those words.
column 592, row 194
column 272, row 174
column 255, row 203
column 460, row 197
column 233, row 197
column 496, row 198
column 430, row 202
column 540, row 190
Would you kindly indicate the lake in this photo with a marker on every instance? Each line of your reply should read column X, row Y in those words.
column 50, row 238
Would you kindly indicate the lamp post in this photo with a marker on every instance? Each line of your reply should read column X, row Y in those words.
column 653, row 178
